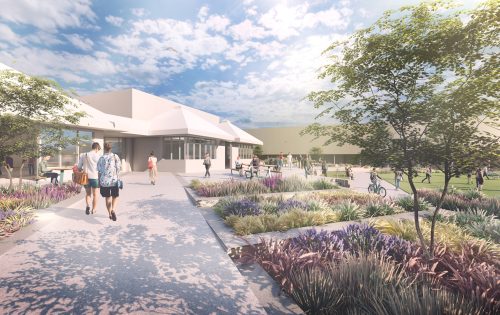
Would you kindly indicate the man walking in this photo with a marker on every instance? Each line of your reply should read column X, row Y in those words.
column 88, row 163
column 428, row 175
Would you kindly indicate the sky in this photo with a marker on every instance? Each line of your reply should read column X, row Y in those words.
column 251, row 61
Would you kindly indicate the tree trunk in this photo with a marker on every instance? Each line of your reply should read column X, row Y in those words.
column 416, row 208
column 447, row 178
column 9, row 173
column 21, row 173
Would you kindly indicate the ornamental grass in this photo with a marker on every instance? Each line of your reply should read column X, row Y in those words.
column 360, row 270
column 460, row 201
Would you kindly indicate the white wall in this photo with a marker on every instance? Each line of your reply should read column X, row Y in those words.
column 142, row 147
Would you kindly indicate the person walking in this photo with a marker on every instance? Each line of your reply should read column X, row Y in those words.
column 398, row 176
column 324, row 168
column 307, row 166
column 108, row 168
column 207, row 162
column 479, row 179
column 88, row 164
column 152, row 168
column 289, row 159
column 280, row 161
column 485, row 172
column 428, row 174
column 45, row 172
column 469, row 176
column 299, row 160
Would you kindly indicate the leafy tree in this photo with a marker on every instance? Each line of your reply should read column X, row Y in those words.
column 415, row 88
column 257, row 150
column 33, row 113
column 315, row 153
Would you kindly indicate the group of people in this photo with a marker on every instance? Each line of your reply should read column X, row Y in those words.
column 103, row 173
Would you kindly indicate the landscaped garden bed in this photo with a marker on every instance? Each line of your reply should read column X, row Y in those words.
column 261, row 186
column 17, row 207
column 457, row 200
column 361, row 270
column 260, row 214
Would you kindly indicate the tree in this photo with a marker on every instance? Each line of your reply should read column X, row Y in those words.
column 315, row 153
column 257, row 150
column 397, row 82
column 33, row 113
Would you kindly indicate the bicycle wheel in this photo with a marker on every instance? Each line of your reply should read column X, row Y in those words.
column 371, row 189
column 382, row 192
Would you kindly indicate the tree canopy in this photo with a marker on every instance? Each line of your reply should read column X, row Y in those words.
column 419, row 86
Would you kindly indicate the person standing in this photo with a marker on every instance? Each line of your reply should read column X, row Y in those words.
column 88, row 163
column 469, row 176
column 289, row 158
column 398, row 176
column 108, row 168
column 307, row 166
column 207, row 162
column 152, row 167
column 45, row 172
column 428, row 175
column 299, row 160
column 479, row 179
column 280, row 161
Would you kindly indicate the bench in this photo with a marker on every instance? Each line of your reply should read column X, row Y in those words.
column 248, row 173
column 238, row 170
column 39, row 178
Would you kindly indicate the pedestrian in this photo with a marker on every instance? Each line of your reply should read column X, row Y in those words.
column 31, row 166
column 469, row 176
column 280, row 161
column 485, row 172
column 324, row 168
column 479, row 179
column 351, row 173
column 152, row 168
column 307, row 166
column 428, row 172
column 299, row 160
column 45, row 172
column 207, row 162
column 398, row 176
column 88, row 164
column 108, row 168
column 10, row 162
column 289, row 158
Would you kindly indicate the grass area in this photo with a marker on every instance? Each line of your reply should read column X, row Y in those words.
column 491, row 187
column 336, row 174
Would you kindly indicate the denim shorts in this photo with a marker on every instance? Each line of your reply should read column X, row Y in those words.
column 94, row 183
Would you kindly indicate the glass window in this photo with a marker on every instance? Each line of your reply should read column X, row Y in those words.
column 84, row 141
column 118, row 146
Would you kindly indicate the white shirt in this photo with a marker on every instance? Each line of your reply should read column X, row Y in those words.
column 88, row 163
column 153, row 159
column 289, row 157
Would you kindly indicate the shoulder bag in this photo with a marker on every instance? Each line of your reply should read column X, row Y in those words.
column 81, row 177
column 119, row 182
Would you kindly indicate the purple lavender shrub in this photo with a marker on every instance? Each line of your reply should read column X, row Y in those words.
column 243, row 207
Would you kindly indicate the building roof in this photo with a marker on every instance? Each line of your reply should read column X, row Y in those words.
column 136, row 113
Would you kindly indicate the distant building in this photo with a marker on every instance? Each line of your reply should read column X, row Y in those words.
column 288, row 139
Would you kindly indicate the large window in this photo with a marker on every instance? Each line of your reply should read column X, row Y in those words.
column 68, row 156
column 245, row 151
column 189, row 148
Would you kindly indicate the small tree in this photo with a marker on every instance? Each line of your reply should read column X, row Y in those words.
column 315, row 153
column 257, row 150
column 397, row 81
column 33, row 111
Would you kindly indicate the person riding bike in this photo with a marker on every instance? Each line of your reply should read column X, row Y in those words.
column 374, row 178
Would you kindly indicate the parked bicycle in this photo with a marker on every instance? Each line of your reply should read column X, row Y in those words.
column 377, row 189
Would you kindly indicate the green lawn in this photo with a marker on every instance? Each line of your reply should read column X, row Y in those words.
column 491, row 187
column 336, row 174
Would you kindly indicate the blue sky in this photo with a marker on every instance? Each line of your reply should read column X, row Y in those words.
column 249, row 61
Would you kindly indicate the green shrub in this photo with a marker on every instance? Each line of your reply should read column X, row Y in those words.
column 407, row 203
column 322, row 184
column 380, row 208
column 349, row 210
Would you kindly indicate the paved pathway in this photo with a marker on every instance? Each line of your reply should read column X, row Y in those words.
column 362, row 181
column 159, row 257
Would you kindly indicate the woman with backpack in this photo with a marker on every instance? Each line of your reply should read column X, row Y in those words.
column 153, row 170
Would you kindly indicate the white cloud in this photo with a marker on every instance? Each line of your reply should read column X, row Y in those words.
column 114, row 20
column 139, row 12
column 48, row 15
column 246, row 30
column 44, row 38
column 80, row 41
column 203, row 13
column 7, row 35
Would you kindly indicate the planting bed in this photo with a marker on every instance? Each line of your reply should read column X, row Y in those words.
column 17, row 208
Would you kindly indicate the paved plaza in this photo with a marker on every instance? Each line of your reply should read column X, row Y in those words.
column 159, row 257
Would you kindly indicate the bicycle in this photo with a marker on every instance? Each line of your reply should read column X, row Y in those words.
column 377, row 189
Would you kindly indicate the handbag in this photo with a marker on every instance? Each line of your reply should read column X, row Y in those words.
column 150, row 164
column 119, row 182
column 80, row 177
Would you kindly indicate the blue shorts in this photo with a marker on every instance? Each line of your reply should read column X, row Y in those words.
column 94, row 183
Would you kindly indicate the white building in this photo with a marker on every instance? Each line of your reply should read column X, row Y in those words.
column 137, row 123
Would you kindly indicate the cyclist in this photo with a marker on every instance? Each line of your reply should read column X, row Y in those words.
column 373, row 178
